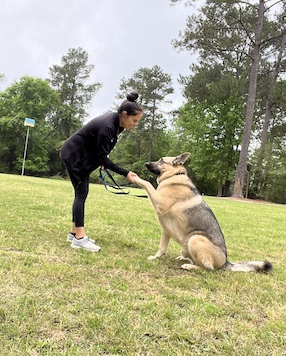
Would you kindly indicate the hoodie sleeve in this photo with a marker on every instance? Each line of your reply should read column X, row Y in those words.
column 107, row 139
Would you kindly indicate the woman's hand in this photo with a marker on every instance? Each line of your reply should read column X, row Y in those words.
column 131, row 176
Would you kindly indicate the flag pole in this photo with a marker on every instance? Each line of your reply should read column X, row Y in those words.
column 29, row 123
column 25, row 151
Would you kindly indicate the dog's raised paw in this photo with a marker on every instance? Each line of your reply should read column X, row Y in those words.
column 138, row 181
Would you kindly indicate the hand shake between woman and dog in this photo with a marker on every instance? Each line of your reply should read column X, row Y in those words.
column 181, row 211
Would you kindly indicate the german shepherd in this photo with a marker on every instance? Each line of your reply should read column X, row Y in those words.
column 184, row 216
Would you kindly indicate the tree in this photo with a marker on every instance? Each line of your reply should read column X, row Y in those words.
column 255, row 56
column 32, row 98
column 70, row 80
column 270, row 96
column 212, row 122
column 153, row 86
column 273, row 174
column 268, row 175
column 234, row 34
column 212, row 134
column 275, row 185
column 273, row 103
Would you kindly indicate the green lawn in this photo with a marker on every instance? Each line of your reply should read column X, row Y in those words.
column 55, row 300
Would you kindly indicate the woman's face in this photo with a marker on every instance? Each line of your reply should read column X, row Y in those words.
column 129, row 121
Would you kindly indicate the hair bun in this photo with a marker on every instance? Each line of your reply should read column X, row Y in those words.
column 133, row 96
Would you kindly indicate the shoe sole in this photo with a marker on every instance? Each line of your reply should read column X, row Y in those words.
column 87, row 249
column 70, row 240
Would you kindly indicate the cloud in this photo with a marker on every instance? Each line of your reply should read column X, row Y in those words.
column 119, row 36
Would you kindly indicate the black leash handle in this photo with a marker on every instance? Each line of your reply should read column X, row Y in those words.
column 115, row 186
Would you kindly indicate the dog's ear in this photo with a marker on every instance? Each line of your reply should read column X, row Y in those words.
column 181, row 159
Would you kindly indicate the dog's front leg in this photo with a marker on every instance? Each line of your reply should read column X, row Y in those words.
column 153, row 195
column 165, row 239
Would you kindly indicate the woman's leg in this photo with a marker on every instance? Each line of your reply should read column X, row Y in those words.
column 78, row 238
column 77, row 231
column 80, row 194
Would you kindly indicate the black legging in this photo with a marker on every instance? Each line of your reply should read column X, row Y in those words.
column 80, row 193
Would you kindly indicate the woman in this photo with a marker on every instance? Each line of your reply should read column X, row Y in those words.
column 86, row 150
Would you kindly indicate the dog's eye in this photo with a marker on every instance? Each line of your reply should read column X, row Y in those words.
column 161, row 160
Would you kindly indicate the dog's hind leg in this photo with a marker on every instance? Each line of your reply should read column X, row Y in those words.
column 205, row 254
column 182, row 258
column 189, row 266
column 185, row 256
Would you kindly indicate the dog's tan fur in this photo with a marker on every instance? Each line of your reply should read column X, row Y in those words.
column 185, row 217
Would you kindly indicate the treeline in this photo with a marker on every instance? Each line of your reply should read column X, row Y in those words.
column 233, row 121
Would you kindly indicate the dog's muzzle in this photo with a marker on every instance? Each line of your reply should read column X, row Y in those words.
column 152, row 168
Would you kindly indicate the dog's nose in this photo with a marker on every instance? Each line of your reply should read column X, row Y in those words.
column 147, row 164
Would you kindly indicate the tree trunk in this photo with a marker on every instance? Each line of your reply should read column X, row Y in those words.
column 269, row 102
column 241, row 168
column 151, row 140
column 152, row 133
column 226, row 189
column 220, row 188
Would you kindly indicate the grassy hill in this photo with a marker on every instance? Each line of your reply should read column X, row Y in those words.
column 55, row 300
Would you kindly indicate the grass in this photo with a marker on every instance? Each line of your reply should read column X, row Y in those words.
column 55, row 300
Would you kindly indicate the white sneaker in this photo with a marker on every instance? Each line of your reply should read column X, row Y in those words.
column 85, row 243
column 70, row 237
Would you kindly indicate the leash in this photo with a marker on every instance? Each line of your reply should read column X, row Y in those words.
column 115, row 188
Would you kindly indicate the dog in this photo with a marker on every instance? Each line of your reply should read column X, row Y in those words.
column 185, row 217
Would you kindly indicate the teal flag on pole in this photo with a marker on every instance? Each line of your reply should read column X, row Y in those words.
column 29, row 122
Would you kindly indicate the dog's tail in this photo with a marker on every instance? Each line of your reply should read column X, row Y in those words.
column 251, row 266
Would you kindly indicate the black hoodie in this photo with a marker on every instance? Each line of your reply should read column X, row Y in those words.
column 88, row 148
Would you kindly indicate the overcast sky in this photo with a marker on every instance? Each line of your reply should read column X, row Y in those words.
column 120, row 37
